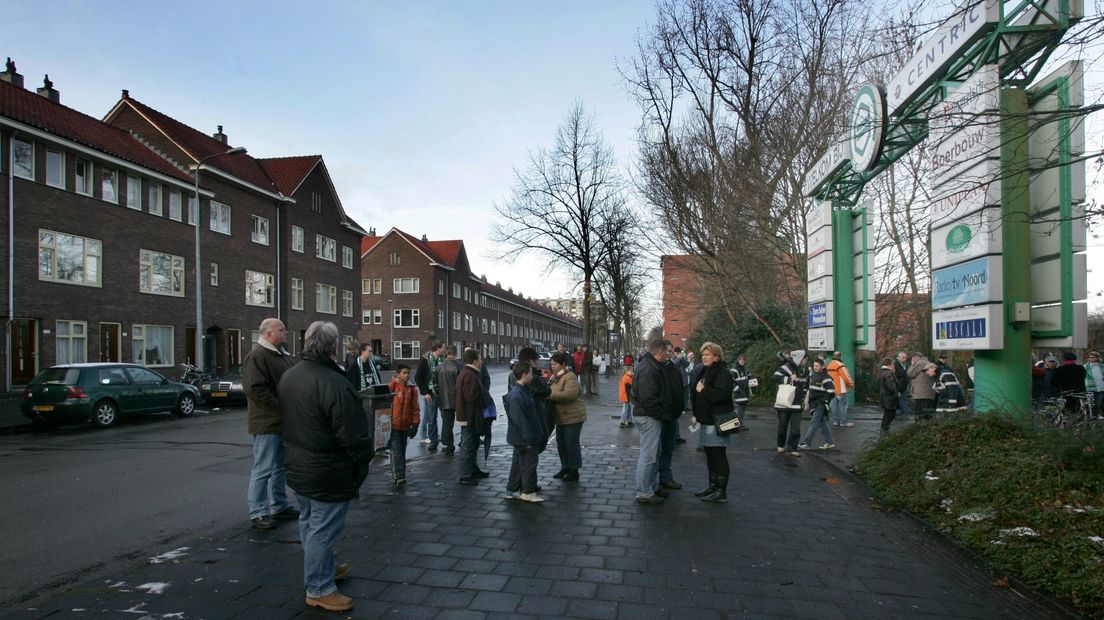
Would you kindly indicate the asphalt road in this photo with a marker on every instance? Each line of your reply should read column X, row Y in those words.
column 78, row 502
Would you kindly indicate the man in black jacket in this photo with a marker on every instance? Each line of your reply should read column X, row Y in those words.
column 900, row 373
column 328, row 447
column 425, row 377
column 654, row 402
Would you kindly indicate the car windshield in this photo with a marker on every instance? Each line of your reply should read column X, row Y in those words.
column 57, row 376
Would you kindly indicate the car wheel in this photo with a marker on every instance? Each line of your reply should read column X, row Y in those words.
column 105, row 414
column 185, row 406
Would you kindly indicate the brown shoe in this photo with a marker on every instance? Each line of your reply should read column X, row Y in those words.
column 341, row 571
column 334, row 601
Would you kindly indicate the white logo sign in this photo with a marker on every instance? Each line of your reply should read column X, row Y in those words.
column 868, row 125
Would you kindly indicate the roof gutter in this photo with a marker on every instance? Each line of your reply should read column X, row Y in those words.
column 246, row 184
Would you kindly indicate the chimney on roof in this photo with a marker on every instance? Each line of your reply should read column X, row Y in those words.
column 10, row 75
column 372, row 231
column 126, row 94
column 425, row 239
column 48, row 91
column 218, row 135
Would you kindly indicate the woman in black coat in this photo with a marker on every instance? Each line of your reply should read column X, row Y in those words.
column 711, row 395
column 888, row 392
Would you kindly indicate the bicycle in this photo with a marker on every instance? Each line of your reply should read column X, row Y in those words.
column 1070, row 410
column 192, row 375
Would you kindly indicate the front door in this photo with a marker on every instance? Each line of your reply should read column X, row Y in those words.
column 189, row 345
column 233, row 348
column 23, row 358
column 111, row 349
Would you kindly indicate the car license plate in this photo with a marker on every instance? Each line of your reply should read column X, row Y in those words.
column 42, row 408
column 219, row 394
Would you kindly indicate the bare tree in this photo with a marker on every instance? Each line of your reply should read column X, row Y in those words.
column 561, row 204
column 621, row 278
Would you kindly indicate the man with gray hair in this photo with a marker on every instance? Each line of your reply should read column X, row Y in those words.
column 329, row 447
column 261, row 372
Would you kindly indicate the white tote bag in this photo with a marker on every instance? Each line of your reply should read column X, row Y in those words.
column 785, row 397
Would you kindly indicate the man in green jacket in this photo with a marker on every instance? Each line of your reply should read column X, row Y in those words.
column 261, row 372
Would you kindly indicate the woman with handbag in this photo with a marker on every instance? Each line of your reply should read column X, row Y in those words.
column 710, row 401
column 790, row 400
column 570, row 413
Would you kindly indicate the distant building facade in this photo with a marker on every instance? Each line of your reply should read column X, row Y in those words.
column 682, row 299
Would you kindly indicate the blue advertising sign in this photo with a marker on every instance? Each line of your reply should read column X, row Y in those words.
column 820, row 315
column 974, row 282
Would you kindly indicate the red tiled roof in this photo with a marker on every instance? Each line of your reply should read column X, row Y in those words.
column 367, row 243
column 448, row 251
column 288, row 172
column 198, row 145
column 32, row 109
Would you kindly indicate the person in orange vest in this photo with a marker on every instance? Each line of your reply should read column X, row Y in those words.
column 843, row 384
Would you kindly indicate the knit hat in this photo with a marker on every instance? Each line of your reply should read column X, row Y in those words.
column 797, row 356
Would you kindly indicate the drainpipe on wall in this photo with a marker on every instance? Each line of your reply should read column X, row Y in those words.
column 11, row 264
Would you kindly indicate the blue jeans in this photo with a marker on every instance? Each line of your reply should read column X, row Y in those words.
column 320, row 525
column 740, row 409
column 626, row 413
column 839, row 409
column 398, row 453
column 427, row 428
column 820, row 422
column 267, row 479
column 905, row 407
column 567, row 444
column 647, row 464
column 667, row 436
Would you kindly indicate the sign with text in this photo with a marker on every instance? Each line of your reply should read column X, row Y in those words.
column 820, row 265
column 970, row 191
column 972, row 328
column 820, row 216
column 976, row 282
column 820, row 241
column 820, row 290
column 974, row 235
column 822, row 339
column 965, row 149
column 820, row 314
column 831, row 163
column 961, row 108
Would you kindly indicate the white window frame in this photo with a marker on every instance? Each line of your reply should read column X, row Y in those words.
column 260, row 230
column 76, row 344
column 346, row 257
column 325, row 298
column 377, row 316
column 260, row 289
column 440, row 287
column 150, row 262
column 216, row 223
column 414, row 348
column 325, row 248
column 23, row 159
column 365, row 317
column 456, row 290
column 176, row 206
column 214, row 274
column 297, row 293
column 346, row 303
column 59, row 180
column 377, row 286
column 316, row 202
column 366, row 286
column 109, row 185
column 456, row 318
column 92, row 251
column 134, row 192
column 84, row 184
column 192, row 210
column 406, row 317
column 394, row 259
column 155, row 197
column 139, row 334
column 296, row 239
column 406, row 286
column 440, row 319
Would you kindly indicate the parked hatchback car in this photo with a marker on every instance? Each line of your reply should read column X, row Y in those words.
column 224, row 389
column 382, row 361
column 101, row 393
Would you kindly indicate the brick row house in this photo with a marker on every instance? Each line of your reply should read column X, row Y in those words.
column 99, row 221
column 416, row 290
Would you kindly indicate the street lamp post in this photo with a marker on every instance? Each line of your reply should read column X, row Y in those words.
column 198, row 263
column 391, row 322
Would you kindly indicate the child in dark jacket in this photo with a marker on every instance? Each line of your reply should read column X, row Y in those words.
column 404, row 420
column 524, row 433
column 821, row 392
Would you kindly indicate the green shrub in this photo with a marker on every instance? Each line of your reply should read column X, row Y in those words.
column 978, row 478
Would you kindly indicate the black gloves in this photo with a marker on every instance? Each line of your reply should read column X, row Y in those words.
column 412, row 432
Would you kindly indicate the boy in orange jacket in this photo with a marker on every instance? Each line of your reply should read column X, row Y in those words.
column 843, row 383
column 404, row 420
column 623, row 392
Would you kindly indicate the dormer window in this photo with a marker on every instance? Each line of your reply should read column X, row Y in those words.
column 316, row 202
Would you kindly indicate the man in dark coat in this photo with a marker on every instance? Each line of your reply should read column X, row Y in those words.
column 261, row 372
column 470, row 399
column 900, row 376
column 445, row 380
column 328, row 446
column 654, row 401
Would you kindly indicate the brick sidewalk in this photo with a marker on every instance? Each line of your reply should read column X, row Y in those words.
column 798, row 538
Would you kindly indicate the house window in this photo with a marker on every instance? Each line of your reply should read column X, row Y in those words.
column 406, row 350
column 468, row 323
column 155, row 199
column 72, row 342
column 297, row 294
column 377, row 286
column 456, row 320
column 467, row 294
column 109, row 186
column 366, row 317
column 83, row 177
column 152, row 345
column 325, row 248
column 260, row 230
column 55, row 169
column 160, row 274
column 175, row 206
column 346, row 303
column 192, row 211
column 440, row 319
column 220, row 218
column 214, row 274
column 406, row 285
column 69, row 258
column 365, row 286
column 23, row 154
column 484, row 326
column 316, row 202
column 456, row 290
column 407, row 318
column 325, row 298
column 259, row 288
column 440, row 287
column 296, row 239
column 394, row 259
column 346, row 257
column 134, row 193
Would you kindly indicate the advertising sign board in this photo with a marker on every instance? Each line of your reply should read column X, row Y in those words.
column 1046, row 281
column 819, row 241
column 1049, row 319
column 966, row 148
column 820, row 265
column 837, row 155
column 820, row 314
column 972, row 328
column 961, row 107
column 819, row 216
column 972, row 236
column 821, row 339
column 1046, row 233
column 970, row 191
column 976, row 282
column 820, row 290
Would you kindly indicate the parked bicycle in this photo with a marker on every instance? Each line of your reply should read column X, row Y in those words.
column 193, row 376
column 1071, row 410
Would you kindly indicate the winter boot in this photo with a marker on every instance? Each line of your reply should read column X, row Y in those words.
column 720, row 495
column 712, row 487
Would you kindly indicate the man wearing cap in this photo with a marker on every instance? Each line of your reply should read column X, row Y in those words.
column 922, row 377
column 790, row 372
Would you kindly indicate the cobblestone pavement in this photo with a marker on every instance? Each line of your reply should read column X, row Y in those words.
column 799, row 537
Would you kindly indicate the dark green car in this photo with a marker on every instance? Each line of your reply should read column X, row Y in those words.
column 102, row 392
